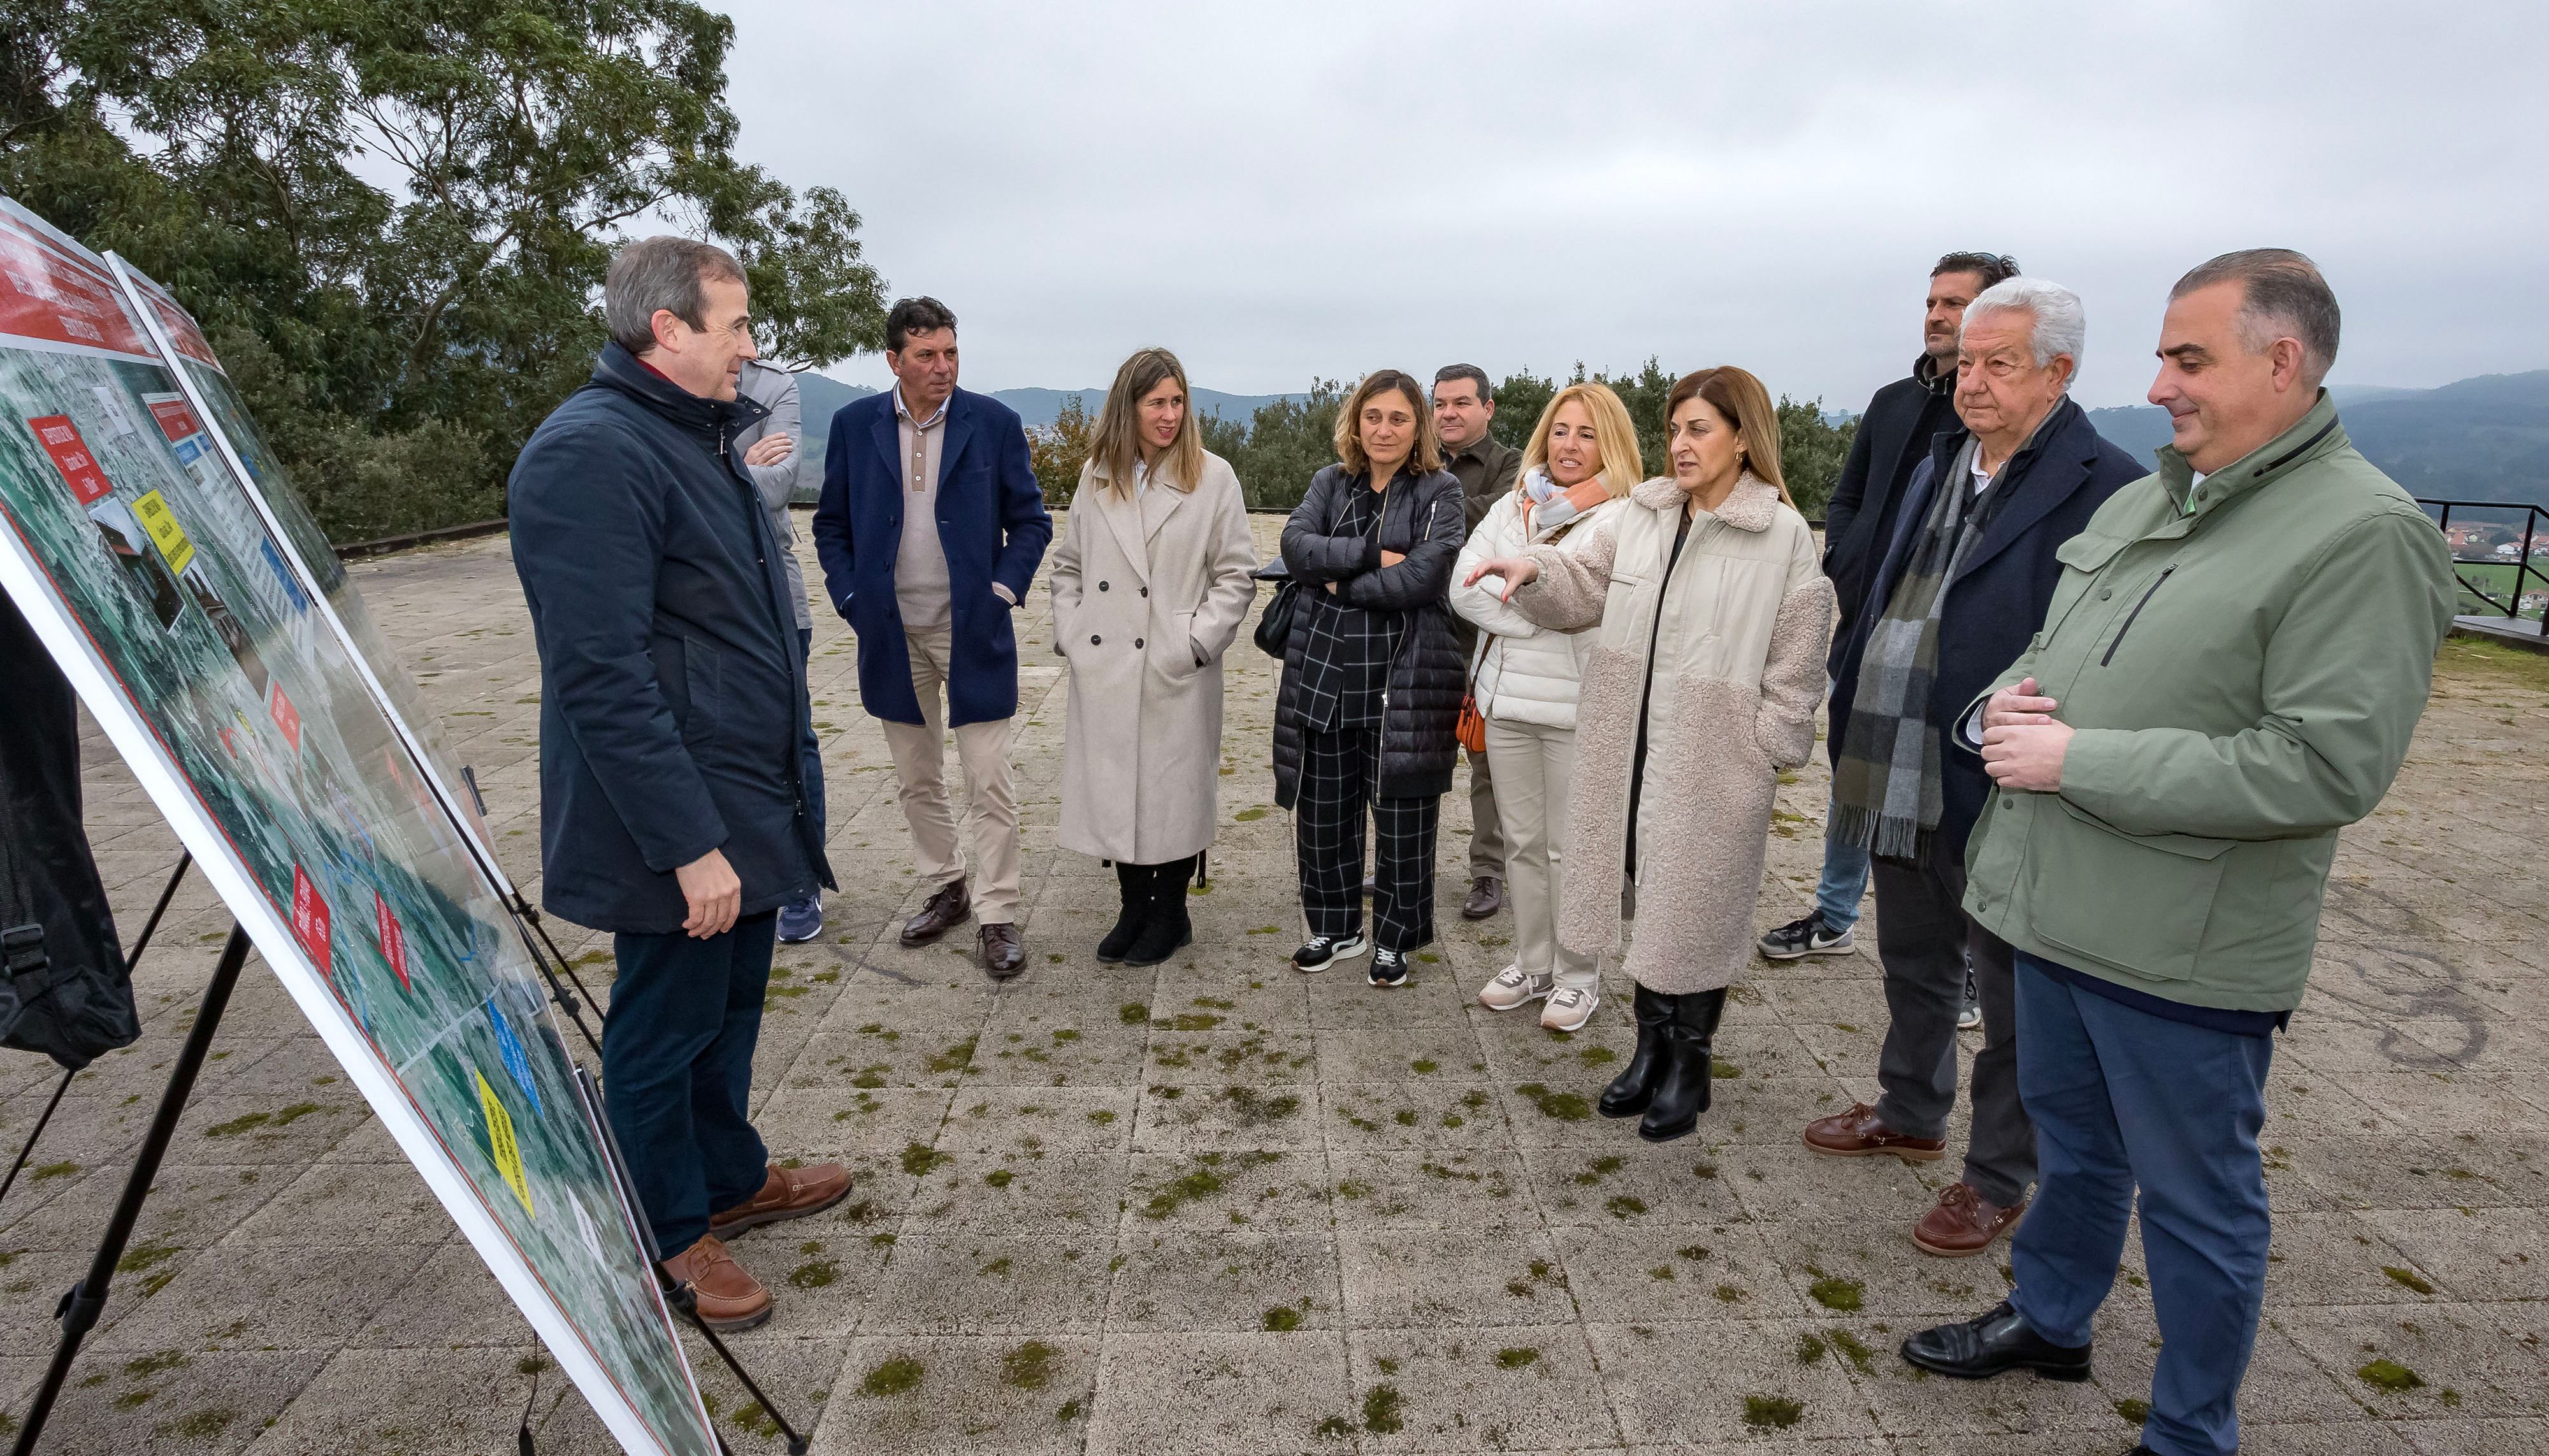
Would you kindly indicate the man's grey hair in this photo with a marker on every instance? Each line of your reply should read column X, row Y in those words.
column 2060, row 326
column 655, row 273
column 2286, row 298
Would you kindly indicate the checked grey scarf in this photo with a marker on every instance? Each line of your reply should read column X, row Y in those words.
column 1886, row 795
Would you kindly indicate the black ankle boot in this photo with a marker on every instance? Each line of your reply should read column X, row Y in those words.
column 1168, row 926
column 1133, row 883
column 1682, row 1092
column 1634, row 1086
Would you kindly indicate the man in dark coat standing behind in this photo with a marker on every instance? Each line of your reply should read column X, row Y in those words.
column 672, row 703
column 1893, row 438
column 930, row 528
column 1952, row 599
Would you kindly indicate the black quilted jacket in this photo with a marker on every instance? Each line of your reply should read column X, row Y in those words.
column 1423, row 520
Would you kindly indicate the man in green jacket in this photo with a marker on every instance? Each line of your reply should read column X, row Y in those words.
column 2229, row 673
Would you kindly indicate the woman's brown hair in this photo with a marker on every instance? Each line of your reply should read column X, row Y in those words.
column 1115, row 445
column 1738, row 397
column 1425, row 459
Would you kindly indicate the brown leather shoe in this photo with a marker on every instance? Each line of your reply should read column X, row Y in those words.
column 1003, row 954
column 1859, row 1132
column 944, row 910
column 789, row 1193
column 1486, row 897
column 1963, row 1223
column 728, row 1298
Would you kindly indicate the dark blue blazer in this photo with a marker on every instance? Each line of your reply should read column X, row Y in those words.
column 672, row 696
column 992, row 522
column 2001, row 590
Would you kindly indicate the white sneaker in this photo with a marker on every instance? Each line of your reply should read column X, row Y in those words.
column 1512, row 988
column 1568, row 1009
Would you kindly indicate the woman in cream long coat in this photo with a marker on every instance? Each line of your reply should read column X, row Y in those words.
column 1151, row 582
column 1713, row 616
column 1581, row 460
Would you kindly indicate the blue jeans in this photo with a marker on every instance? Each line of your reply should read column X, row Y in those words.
column 1844, row 882
column 812, row 756
column 677, row 1071
column 2122, row 1100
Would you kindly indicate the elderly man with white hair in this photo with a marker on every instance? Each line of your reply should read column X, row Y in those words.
column 1963, row 584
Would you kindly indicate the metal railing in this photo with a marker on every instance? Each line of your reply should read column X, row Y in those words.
column 2535, row 531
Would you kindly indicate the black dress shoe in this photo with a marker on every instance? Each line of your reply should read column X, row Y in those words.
column 1994, row 1345
column 1634, row 1086
column 1486, row 897
column 940, row 913
column 1003, row 954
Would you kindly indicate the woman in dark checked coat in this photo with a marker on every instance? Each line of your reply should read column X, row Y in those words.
column 1372, row 676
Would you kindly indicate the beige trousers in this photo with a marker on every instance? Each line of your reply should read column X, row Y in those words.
column 990, row 803
column 1531, row 765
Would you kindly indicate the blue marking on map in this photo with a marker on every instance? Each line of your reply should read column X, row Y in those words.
column 511, row 1049
column 300, row 603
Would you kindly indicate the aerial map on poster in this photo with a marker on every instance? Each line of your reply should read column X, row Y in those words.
column 189, row 626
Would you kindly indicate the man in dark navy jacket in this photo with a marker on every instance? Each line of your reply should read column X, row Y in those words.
column 672, row 706
column 1893, row 437
column 1959, row 587
column 930, row 528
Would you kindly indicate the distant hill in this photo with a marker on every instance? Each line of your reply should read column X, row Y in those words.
column 1043, row 406
column 2481, row 439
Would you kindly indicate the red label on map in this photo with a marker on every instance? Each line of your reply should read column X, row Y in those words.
column 310, row 919
column 393, row 939
column 176, row 422
column 228, row 743
column 287, row 717
column 62, row 440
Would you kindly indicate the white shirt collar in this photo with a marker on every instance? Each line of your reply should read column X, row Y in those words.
column 941, row 413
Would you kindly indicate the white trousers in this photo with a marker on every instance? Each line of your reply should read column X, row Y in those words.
column 990, row 803
column 1531, row 766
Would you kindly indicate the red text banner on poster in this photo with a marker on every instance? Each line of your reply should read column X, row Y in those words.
column 393, row 940
column 62, row 440
column 176, row 422
column 45, row 295
column 287, row 717
column 310, row 919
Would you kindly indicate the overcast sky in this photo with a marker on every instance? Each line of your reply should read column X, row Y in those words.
column 1282, row 191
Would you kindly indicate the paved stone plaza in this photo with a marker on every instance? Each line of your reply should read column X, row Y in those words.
column 1219, row 1207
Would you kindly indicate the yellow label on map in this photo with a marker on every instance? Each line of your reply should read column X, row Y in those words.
column 161, row 523
column 499, row 1136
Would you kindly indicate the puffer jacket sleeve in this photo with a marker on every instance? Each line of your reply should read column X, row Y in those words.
column 1792, row 674
column 1575, row 577
column 1483, row 605
column 1311, row 554
column 1435, row 526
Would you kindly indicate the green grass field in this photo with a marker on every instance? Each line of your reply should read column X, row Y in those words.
column 2498, row 582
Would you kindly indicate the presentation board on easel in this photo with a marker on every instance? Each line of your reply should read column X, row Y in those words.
column 181, row 586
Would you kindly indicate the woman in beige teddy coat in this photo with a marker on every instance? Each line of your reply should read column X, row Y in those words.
column 1714, row 617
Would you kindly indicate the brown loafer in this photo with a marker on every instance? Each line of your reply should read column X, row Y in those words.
column 1003, row 954
column 728, row 1298
column 1486, row 897
column 789, row 1193
column 1963, row 1225
column 1860, row 1132
column 944, row 911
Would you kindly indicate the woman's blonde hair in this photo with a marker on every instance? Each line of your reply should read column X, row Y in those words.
column 1615, row 438
column 1115, row 445
column 1734, row 393
column 1425, row 459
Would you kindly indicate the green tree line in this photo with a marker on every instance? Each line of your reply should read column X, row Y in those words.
column 399, row 342
column 1283, row 443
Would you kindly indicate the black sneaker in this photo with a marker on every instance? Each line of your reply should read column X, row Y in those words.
column 1389, row 967
column 1325, row 951
column 1806, row 937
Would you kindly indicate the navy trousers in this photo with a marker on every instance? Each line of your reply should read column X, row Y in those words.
column 677, row 1071
column 2121, row 1100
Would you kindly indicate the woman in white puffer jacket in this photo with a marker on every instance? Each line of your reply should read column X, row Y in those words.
column 1583, row 457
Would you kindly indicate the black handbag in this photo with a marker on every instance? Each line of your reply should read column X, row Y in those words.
column 1274, row 625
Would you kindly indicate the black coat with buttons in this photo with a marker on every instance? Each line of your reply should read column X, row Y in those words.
column 1423, row 520
column 672, row 694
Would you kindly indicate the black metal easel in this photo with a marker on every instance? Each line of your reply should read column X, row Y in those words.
column 86, row 1300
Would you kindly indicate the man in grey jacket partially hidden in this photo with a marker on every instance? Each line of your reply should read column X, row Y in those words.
column 769, row 453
